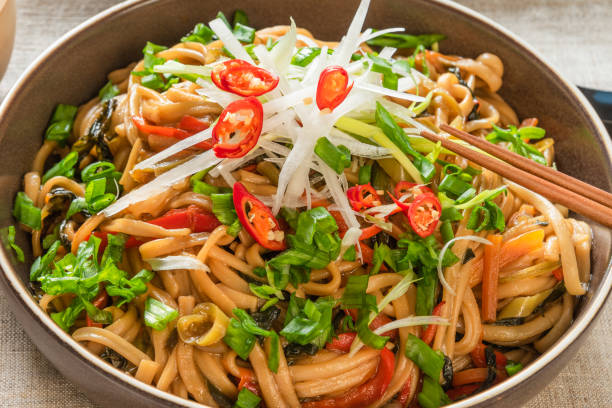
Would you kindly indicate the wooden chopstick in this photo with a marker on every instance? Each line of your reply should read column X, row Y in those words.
column 574, row 201
column 523, row 163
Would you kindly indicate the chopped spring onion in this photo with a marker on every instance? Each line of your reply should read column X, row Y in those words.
column 157, row 315
column 61, row 123
column 446, row 247
column 247, row 399
column 64, row 167
column 336, row 157
column 11, row 241
column 26, row 212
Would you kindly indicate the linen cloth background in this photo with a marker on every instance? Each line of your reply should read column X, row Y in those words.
column 574, row 35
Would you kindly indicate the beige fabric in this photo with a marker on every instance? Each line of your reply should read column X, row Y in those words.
column 574, row 35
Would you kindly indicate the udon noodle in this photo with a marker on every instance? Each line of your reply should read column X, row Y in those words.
column 507, row 296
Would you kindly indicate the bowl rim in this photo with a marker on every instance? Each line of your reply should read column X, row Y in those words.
column 21, row 292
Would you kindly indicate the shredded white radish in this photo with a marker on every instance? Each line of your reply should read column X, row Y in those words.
column 307, row 40
column 170, row 263
column 174, row 149
column 388, row 92
column 371, row 35
column 283, row 51
column 387, row 52
column 446, row 247
column 412, row 321
column 229, row 40
column 351, row 40
column 163, row 182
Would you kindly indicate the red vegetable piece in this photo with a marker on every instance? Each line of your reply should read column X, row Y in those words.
column 192, row 217
column 333, row 87
column 558, row 274
column 479, row 359
column 369, row 232
column 406, row 187
column 100, row 302
column 342, row 343
column 248, row 80
column 365, row 394
column 193, row 124
column 462, row 391
column 424, row 214
column 258, row 220
column 222, row 67
column 363, row 196
column 168, row 131
column 430, row 332
column 240, row 120
column 405, row 393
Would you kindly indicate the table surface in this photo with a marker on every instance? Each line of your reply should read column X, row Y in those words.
column 555, row 27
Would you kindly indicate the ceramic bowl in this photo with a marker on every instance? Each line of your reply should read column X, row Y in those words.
column 75, row 68
column 7, row 32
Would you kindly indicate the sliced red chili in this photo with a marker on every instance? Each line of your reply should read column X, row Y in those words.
column 333, row 87
column 248, row 80
column 100, row 302
column 238, row 128
column 258, row 220
column 192, row 217
column 365, row 394
column 430, row 332
column 169, row 131
column 243, row 78
column 222, row 67
column 406, row 187
column 363, row 196
column 424, row 214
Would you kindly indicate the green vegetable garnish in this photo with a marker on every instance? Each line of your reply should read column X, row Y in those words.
column 157, row 315
column 336, row 157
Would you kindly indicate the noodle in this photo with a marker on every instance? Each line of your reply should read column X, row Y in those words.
column 263, row 225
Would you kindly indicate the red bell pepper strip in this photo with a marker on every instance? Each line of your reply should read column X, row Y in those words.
column 367, row 253
column 333, row 87
column 363, row 196
column 168, row 131
column 479, row 359
column 100, row 302
column 379, row 320
column 248, row 381
column 405, row 393
column 558, row 274
column 258, row 220
column 192, row 124
column 103, row 235
column 192, row 217
column 369, row 232
column 365, row 394
column 342, row 343
column 424, row 214
column 406, row 187
column 242, row 120
column 430, row 332
column 463, row 391
column 243, row 78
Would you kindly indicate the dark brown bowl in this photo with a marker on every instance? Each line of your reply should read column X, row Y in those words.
column 75, row 67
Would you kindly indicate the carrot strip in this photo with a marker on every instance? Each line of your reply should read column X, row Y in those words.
column 521, row 245
column 490, row 277
column 470, row 376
